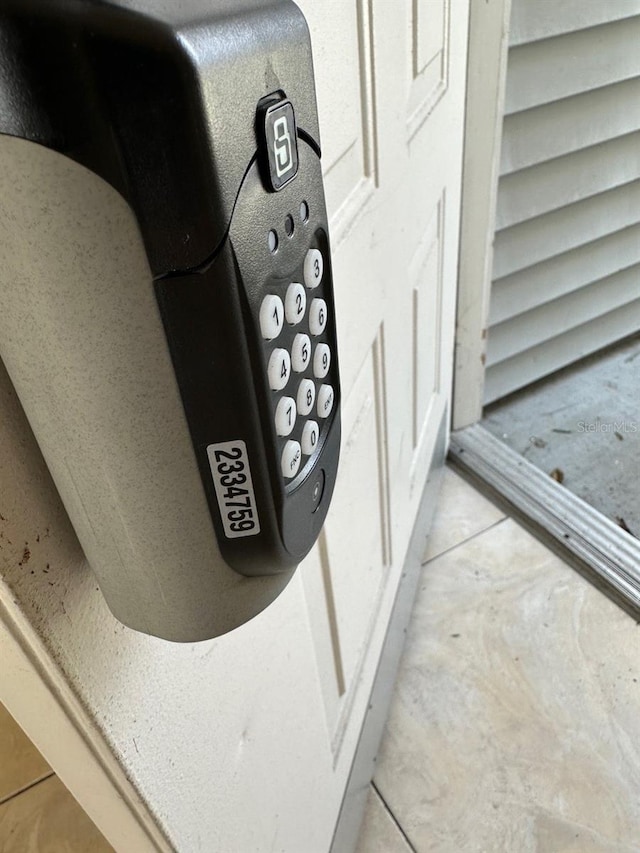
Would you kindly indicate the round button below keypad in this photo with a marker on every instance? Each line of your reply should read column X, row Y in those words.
column 325, row 401
column 321, row 361
column 306, row 397
column 290, row 459
column 285, row 417
column 317, row 316
column 318, row 489
column 279, row 369
column 310, row 435
column 271, row 316
column 300, row 353
column 313, row 268
column 295, row 303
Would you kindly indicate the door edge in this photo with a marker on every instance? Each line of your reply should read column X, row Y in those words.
column 345, row 837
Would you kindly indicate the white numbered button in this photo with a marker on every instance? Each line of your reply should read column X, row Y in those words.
column 279, row 369
column 321, row 361
column 301, row 353
column 271, row 317
column 325, row 401
column 317, row 316
column 295, row 303
column 290, row 460
column 313, row 266
column 285, row 415
column 310, row 435
column 306, row 397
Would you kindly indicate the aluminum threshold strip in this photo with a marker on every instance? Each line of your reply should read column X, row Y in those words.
column 571, row 523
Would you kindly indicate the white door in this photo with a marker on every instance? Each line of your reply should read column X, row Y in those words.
column 245, row 743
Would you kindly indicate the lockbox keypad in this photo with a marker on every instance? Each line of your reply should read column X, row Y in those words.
column 293, row 321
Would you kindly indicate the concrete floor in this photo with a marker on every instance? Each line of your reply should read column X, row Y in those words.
column 583, row 424
column 514, row 724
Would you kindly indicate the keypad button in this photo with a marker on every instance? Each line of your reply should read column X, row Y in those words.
column 279, row 369
column 310, row 434
column 321, row 361
column 271, row 317
column 301, row 353
column 285, row 415
column 290, row 460
column 295, row 303
column 317, row 316
column 325, row 401
column 313, row 267
column 306, row 397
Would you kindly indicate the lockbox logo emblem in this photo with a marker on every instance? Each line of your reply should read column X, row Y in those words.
column 281, row 143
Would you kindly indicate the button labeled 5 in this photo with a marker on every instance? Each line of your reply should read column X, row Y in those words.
column 301, row 353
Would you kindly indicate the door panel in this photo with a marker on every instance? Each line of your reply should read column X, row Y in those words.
column 344, row 79
column 357, row 533
column 428, row 59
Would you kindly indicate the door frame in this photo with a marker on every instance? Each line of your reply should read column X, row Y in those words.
column 582, row 536
column 43, row 704
column 486, row 78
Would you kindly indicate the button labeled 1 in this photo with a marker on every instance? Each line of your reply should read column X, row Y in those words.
column 271, row 317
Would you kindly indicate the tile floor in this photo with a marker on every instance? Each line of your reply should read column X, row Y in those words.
column 37, row 813
column 514, row 728
column 515, row 722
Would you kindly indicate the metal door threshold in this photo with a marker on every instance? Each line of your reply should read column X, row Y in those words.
column 584, row 537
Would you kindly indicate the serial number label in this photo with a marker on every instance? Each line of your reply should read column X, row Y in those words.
column 234, row 488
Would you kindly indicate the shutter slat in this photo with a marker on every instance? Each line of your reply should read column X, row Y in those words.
column 575, row 225
column 554, row 318
column 531, row 365
column 541, row 19
column 573, row 63
column 515, row 294
column 564, row 180
column 559, row 128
